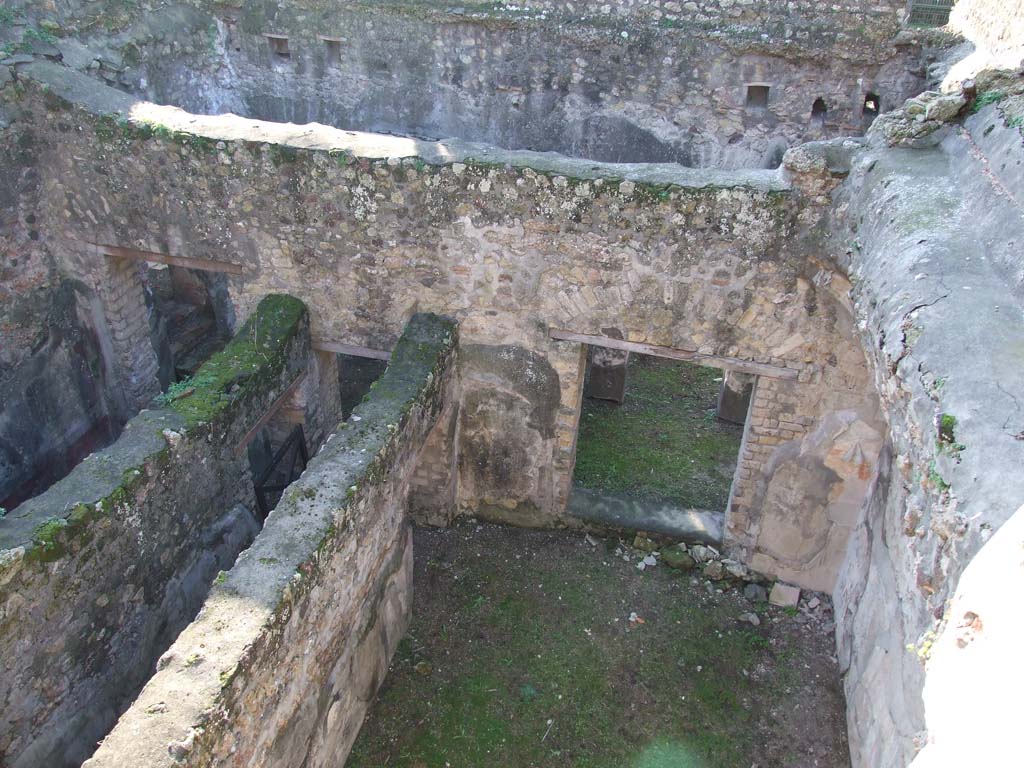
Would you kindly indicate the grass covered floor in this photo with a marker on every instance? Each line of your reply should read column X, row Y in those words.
column 521, row 653
column 664, row 442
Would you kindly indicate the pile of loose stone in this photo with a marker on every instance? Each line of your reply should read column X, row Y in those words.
column 722, row 573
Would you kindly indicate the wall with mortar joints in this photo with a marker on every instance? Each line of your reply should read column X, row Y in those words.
column 124, row 303
column 593, row 91
column 510, row 252
column 317, row 604
column 57, row 376
column 433, row 488
column 98, row 573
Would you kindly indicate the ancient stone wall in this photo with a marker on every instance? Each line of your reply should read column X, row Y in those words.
column 61, row 398
column 720, row 263
column 292, row 643
column 100, row 572
column 932, row 237
column 996, row 26
column 646, row 82
column 618, row 88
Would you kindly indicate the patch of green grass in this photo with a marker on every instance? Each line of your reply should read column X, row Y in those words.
column 986, row 98
column 664, row 442
column 533, row 663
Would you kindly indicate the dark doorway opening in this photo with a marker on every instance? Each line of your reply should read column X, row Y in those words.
column 819, row 111
column 355, row 377
column 282, row 469
column 659, row 454
column 189, row 317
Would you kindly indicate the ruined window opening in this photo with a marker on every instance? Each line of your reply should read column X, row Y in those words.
column 872, row 105
column 279, row 46
column 356, row 374
column 332, row 50
column 658, row 442
column 819, row 111
column 757, row 96
column 190, row 317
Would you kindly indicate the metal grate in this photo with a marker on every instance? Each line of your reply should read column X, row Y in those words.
column 284, row 469
column 930, row 13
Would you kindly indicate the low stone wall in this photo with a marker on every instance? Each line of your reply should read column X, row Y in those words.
column 98, row 573
column 932, row 235
column 293, row 642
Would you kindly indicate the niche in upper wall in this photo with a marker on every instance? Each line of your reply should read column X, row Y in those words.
column 757, row 96
column 332, row 50
column 279, row 46
column 819, row 111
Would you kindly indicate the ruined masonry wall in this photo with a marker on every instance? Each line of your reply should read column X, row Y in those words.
column 60, row 394
column 511, row 253
column 100, row 572
column 612, row 88
column 317, row 604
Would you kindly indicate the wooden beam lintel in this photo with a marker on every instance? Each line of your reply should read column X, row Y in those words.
column 271, row 411
column 208, row 265
column 712, row 361
column 322, row 345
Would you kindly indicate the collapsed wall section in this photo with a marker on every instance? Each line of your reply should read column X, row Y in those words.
column 99, row 573
column 292, row 643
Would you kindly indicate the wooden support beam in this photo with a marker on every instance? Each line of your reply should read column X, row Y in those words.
column 712, row 361
column 271, row 411
column 322, row 345
column 209, row 265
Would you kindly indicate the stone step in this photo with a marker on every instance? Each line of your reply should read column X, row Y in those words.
column 619, row 510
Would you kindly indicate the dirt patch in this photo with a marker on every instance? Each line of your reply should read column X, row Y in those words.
column 522, row 652
column 664, row 442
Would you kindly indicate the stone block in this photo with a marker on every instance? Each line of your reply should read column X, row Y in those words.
column 784, row 595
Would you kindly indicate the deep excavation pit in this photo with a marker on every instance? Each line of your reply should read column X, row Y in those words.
column 481, row 371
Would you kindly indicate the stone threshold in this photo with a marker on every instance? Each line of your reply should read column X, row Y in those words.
column 630, row 513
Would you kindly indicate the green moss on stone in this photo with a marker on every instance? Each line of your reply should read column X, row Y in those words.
column 255, row 353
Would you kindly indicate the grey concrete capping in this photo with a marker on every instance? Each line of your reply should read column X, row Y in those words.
column 282, row 661
column 85, row 92
column 99, row 572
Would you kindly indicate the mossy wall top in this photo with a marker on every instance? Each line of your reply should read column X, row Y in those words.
column 284, row 659
column 92, row 570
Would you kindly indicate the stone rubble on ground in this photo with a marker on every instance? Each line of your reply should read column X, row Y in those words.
column 784, row 595
column 718, row 572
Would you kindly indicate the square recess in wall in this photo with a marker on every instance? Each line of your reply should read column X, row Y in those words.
column 279, row 46
column 332, row 50
column 757, row 96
